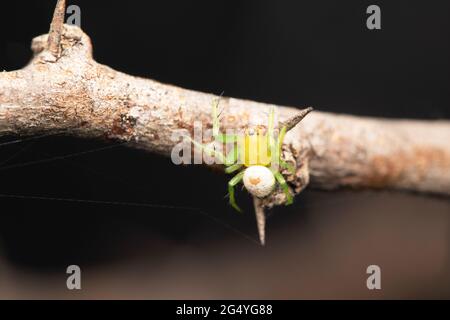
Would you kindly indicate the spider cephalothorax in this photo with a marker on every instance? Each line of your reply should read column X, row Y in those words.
column 255, row 155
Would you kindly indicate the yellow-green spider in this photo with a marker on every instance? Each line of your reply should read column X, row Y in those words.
column 256, row 154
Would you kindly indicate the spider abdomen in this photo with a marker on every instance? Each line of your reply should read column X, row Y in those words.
column 259, row 181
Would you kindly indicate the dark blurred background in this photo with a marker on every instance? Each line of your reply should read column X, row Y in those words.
column 285, row 52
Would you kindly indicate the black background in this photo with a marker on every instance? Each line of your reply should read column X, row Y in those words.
column 317, row 53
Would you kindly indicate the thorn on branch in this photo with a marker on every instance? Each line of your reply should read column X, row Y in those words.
column 56, row 29
column 292, row 122
column 260, row 219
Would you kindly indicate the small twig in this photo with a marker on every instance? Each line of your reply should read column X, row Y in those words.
column 56, row 29
column 293, row 121
column 260, row 219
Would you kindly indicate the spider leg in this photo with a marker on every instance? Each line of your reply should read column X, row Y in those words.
column 270, row 129
column 207, row 149
column 233, row 168
column 280, row 140
column 231, row 157
column 224, row 138
column 276, row 156
column 231, row 184
column 283, row 163
column 215, row 116
column 288, row 166
column 284, row 187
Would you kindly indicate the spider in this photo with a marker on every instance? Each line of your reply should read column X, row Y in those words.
column 256, row 154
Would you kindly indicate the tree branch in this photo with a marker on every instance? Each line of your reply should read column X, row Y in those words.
column 87, row 99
